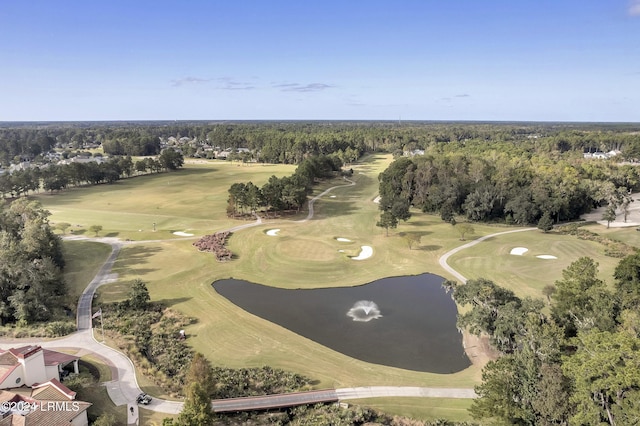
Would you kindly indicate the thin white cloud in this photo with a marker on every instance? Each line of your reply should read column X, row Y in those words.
column 302, row 88
column 223, row 83
column 189, row 80
column 634, row 8
column 231, row 84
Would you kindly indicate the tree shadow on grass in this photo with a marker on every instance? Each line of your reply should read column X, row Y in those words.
column 432, row 247
column 419, row 234
column 174, row 301
column 112, row 234
column 134, row 256
column 419, row 223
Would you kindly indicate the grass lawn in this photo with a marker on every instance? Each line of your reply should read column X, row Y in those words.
column 420, row 408
column 192, row 200
column 526, row 275
column 302, row 255
column 83, row 260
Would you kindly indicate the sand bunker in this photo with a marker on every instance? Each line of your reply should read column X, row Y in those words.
column 273, row 232
column 332, row 196
column 377, row 200
column 182, row 234
column 519, row 251
column 365, row 253
column 546, row 256
column 343, row 240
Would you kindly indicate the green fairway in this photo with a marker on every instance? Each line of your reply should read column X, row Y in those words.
column 528, row 274
column 192, row 200
column 301, row 255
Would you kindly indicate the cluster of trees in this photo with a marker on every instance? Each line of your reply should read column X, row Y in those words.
column 58, row 177
column 31, row 260
column 134, row 143
column 505, row 186
column 578, row 365
column 286, row 193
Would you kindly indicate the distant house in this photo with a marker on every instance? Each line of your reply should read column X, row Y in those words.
column 601, row 155
column 31, row 365
column 413, row 152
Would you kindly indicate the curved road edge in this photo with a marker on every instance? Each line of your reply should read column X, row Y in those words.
column 443, row 259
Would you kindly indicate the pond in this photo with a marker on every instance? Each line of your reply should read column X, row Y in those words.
column 407, row 322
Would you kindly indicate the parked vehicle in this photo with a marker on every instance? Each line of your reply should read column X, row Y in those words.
column 143, row 399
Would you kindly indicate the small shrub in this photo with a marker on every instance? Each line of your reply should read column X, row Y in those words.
column 60, row 328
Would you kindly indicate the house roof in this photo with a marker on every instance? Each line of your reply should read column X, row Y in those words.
column 25, row 351
column 6, row 370
column 52, row 412
column 52, row 390
column 55, row 358
column 7, row 358
column 11, row 356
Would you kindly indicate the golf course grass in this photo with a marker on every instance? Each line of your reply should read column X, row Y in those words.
column 527, row 275
column 301, row 255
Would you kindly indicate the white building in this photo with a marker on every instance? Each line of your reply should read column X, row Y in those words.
column 33, row 393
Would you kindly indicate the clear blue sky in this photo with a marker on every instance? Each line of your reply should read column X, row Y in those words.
column 549, row 60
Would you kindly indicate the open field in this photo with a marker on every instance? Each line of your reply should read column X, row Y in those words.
column 301, row 255
column 193, row 199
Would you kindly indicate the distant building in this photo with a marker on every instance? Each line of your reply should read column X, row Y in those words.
column 413, row 152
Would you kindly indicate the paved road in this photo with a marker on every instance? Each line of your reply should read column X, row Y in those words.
column 273, row 401
column 104, row 276
column 443, row 259
column 385, row 391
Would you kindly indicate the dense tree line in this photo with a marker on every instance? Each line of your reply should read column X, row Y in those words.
column 580, row 364
column 286, row 193
column 31, row 285
column 486, row 185
column 55, row 177
column 291, row 142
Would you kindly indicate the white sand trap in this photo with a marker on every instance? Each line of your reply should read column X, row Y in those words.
column 377, row 200
column 332, row 196
column 365, row 253
column 519, row 251
column 546, row 256
column 182, row 234
column 343, row 240
column 273, row 232
column 340, row 251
